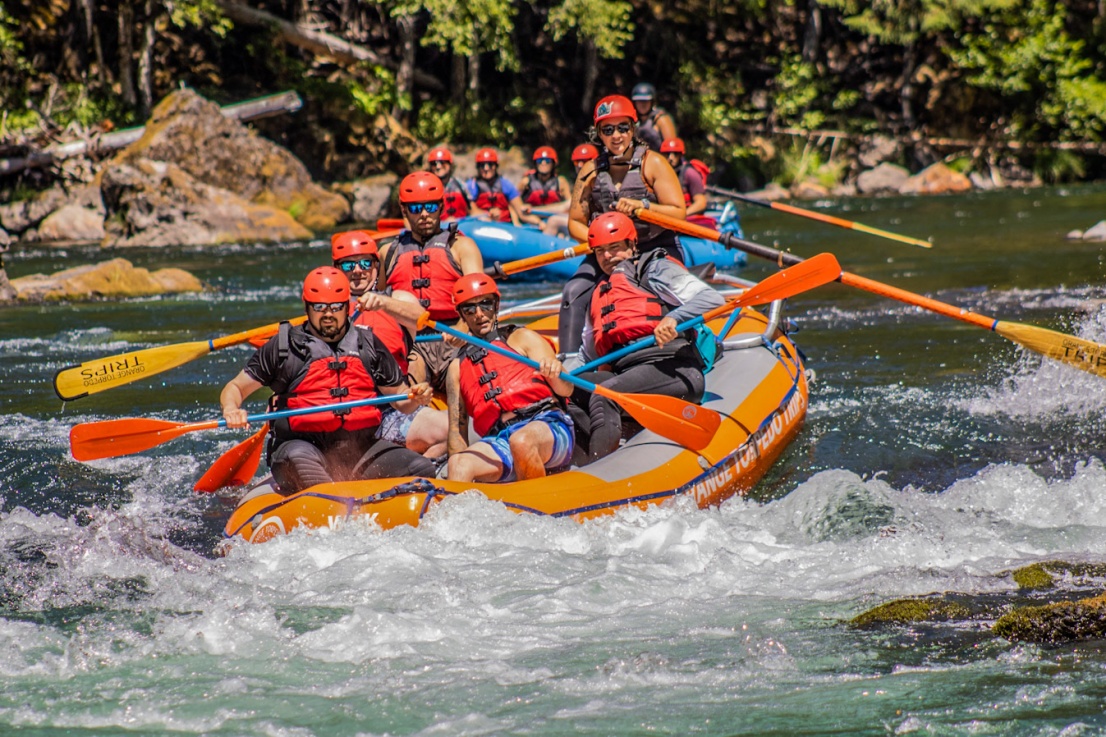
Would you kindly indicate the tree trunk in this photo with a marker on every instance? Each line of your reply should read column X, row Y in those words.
column 906, row 95
column 146, row 60
column 591, row 75
column 474, row 83
column 457, row 89
column 812, row 36
column 126, row 52
column 92, row 37
column 405, row 74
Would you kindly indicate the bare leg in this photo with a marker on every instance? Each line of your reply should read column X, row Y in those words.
column 531, row 449
column 478, row 462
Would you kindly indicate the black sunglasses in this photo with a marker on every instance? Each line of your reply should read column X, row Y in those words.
column 487, row 165
column 364, row 263
column 328, row 306
column 430, row 207
column 470, row 308
column 608, row 130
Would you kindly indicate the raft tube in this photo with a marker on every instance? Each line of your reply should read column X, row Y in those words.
column 759, row 385
column 504, row 242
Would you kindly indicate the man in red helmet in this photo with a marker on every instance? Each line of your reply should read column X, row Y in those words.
column 625, row 177
column 494, row 197
column 516, row 410
column 639, row 294
column 356, row 255
column 324, row 362
column 426, row 260
column 692, row 181
column 545, row 191
column 456, row 201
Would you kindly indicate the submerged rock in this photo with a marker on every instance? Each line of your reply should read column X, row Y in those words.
column 1052, row 624
column 117, row 278
column 909, row 611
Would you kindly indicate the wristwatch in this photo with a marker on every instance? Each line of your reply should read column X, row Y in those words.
column 645, row 204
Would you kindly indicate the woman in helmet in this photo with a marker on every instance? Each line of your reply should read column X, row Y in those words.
column 654, row 124
column 545, row 191
column 625, row 177
column 639, row 294
column 692, row 180
column 318, row 363
column 516, row 410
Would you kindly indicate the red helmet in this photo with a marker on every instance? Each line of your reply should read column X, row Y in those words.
column 326, row 284
column 471, row 286
column 546, row 152
column 673, row 146
column 440, row 153
column 615, row 106
column 611, row 227
column 422, row 186
column 352, row 243
column 487, row 156
column 585, row 152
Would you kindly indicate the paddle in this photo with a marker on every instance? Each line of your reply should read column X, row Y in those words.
column 811, row 273
column 1078, row 352
column 91, row 377
column 390, row 224
column 810, row 214
column 91, row 441
column 235, row 467
column 682, row 422
column 502, row 271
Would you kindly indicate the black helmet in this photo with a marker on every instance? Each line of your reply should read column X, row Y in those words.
column 644, row 91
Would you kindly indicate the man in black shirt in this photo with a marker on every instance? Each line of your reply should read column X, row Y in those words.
column 323, row 362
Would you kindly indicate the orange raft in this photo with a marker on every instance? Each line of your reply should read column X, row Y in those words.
column 758, row 384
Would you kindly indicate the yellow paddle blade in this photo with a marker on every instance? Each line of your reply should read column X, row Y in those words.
column 1078, row 352
column 90, row 377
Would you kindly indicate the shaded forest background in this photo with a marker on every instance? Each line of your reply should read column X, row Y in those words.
column 766, row 91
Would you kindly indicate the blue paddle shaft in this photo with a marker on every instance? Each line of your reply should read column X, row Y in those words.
column 266, row 416
column 574, row 380
column 635, row 346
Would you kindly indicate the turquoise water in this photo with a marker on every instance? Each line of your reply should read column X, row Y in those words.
column 936, row 457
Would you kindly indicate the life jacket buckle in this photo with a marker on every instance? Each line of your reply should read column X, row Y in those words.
column 337, row 365
column 420, row 283
column 488, row 377
column 420, row 258
column 340, row 391
column 492, row 393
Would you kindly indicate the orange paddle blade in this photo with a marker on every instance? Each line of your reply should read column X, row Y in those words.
column 91, row 441
column 235, row 467
column 390, row 224
column 682, row 422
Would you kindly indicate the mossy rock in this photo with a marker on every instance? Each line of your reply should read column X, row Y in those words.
column 910, row 611
column 1053, row 624
column 1041, row 575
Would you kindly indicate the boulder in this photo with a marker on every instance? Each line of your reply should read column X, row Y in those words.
column 18, row 217
column 877, row 150
column 70, row 223
column 845, row 189
column 772, row 192
column 116, row 278
column 1055, row 623
column 371, row 198
column 936, row 179
column 1096, row 232
column 192, row 133
column 884, row 178
column 808, row 189
column 152, row 203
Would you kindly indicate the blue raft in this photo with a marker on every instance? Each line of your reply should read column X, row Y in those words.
column 504, row 242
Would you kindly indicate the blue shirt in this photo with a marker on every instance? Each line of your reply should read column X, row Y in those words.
column 509, row 189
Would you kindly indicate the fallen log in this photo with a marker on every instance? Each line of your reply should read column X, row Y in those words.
column 261, row 107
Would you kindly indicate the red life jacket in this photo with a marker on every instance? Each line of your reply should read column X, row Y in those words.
column 538, row 192
column 492, row 385
column 604, row 194
column 683, row 172
column 394, row 337
column 314, row 373
column 428, row 271
column 622, row 308
column 491, row 195
column 455, row 204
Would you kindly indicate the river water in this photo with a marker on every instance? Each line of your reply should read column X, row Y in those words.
column 936, row 457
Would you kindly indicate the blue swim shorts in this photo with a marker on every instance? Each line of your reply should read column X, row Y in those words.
column 563, row 438
column 394, row 425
